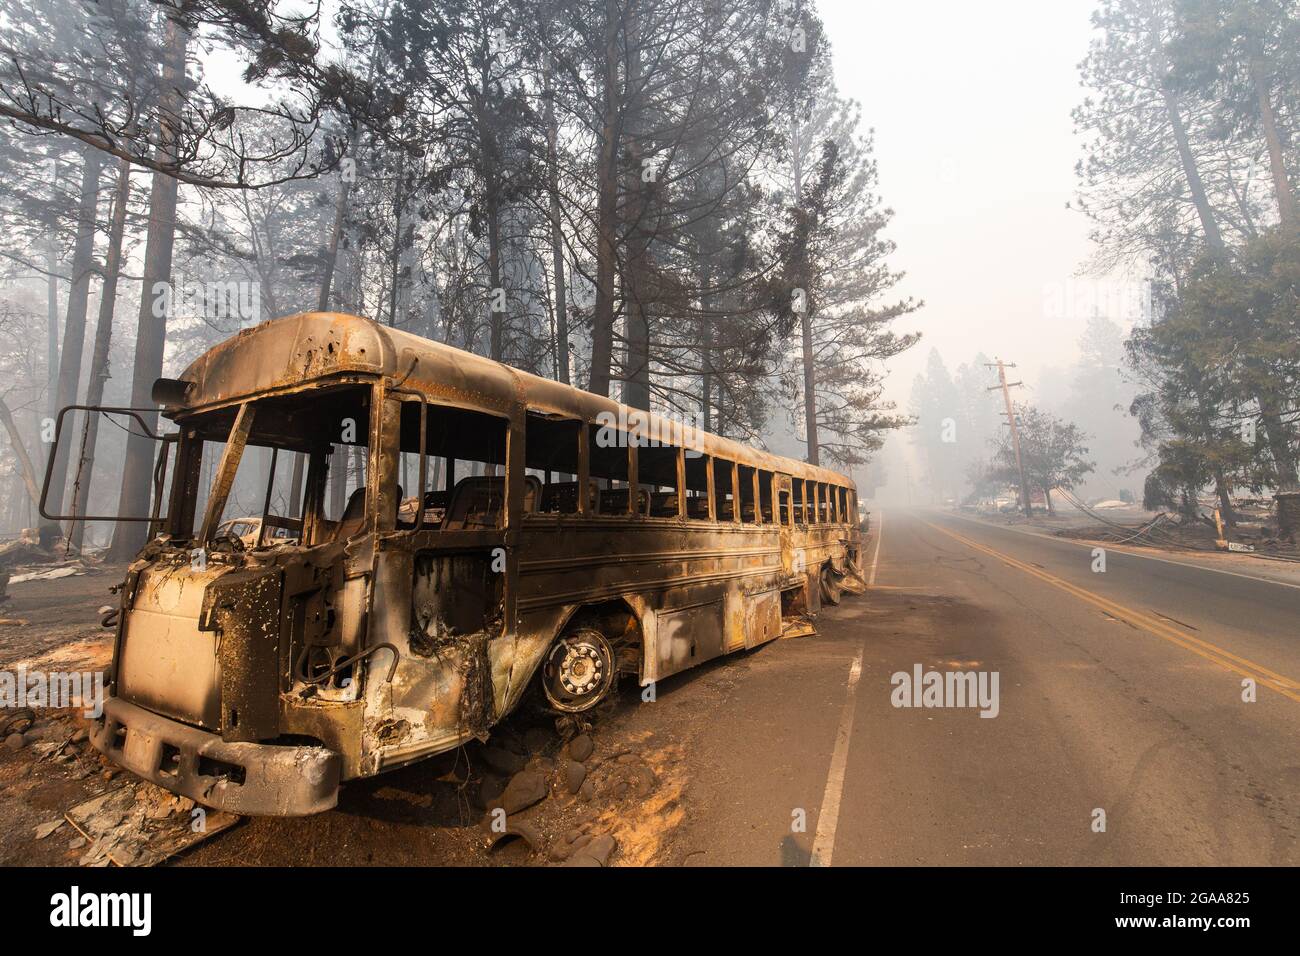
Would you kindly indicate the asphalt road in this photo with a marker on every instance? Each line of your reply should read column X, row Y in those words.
column 1119, row 692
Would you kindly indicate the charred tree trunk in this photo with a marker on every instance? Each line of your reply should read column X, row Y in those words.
column 99, row 353
column 345, row 189
column 706, row 353
column 561, row 305
column 809, row 382
column 1204, row 212
column 332, row 249
column 331, row 252
column 602, row 320
column 52, row 317
column 807, row 351
column 1286, row 200
column 1173, row 112
column 1278, row 445
column 496, row 307
column 74, row 326
column 20, row 452
column 395, row 255
column 636, row 384
column 1225, row 500
column 137, row 470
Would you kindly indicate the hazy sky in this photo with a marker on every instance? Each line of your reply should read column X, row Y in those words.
column 971, row 107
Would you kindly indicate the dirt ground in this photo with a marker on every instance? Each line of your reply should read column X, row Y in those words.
column 631, row 787
column 55, row 768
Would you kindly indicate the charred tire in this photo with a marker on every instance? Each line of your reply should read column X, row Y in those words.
column 830, row 586
column 579, row 670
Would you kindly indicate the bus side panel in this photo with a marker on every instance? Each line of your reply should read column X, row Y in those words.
column 688, row 636
column 762, row 617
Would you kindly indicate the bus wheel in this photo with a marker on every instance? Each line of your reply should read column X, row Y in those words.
column 830, row 586
column 579, row 671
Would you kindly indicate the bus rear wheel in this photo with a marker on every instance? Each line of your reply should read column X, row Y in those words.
column 579, row 671
column 830, row 586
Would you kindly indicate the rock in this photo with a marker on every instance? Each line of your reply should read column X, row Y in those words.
column 15, row 742
column 595, row 853
column 45, row 829
column 502, row 761
column 643, row 781
column 523, row 831
column 627, row 759
column 561, row 852
column 580, row 747
column 587, row 791
column 543, row 765
column 574, row 774
column 524, row 789
column 537, row 739
column 601, row 848
column 110, row 773
column 572, row 836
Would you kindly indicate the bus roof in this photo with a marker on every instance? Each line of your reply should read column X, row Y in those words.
column 300, row 350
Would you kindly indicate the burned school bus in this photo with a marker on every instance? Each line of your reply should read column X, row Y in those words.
column 549, row 540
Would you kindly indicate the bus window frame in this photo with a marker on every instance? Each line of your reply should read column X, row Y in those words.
column 735, row 492
column 389, row 446
column 423, row 459
column 783, row 484
column 582, row 472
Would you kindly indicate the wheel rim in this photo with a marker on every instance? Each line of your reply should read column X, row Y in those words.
column 579, row 671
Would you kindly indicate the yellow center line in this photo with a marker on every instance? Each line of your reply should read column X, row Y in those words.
column 1211, row 652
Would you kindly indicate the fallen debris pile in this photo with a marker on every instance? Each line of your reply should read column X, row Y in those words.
column 52, row 574
column 140, row 824
column 553, row 802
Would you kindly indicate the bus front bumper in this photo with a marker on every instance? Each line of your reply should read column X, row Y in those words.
column 245, row 778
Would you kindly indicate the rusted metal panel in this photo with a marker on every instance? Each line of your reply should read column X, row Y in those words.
column 688, row 636
column 165, row 662
column 762, row 617
column 244, row 609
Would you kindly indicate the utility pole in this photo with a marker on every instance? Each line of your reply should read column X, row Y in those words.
column 1011, row 419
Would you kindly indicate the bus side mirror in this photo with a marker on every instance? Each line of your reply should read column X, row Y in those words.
column 170, row 391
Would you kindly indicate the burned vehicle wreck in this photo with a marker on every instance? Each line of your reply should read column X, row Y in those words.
column 500, row 536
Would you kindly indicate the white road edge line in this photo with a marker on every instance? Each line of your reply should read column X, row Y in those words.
column 829, row 816
column 875, row 558
column 1131, row 554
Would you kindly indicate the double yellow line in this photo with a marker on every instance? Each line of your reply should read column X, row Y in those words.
column 1211, row 652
